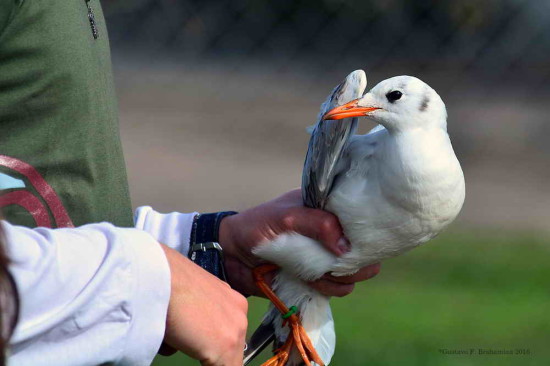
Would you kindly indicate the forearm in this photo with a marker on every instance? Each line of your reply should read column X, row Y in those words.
column 90, row 295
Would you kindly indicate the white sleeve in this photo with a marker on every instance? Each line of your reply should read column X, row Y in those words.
column 172, row 229
column 91, row 295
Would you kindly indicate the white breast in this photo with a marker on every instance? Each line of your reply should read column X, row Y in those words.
column 402, row 192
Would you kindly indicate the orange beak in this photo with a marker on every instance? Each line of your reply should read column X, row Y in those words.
column 351, row 109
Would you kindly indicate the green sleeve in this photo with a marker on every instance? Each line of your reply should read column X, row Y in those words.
column 61, row 161
column 7, row 10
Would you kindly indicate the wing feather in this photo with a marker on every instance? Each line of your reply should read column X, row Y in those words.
column 328, row 141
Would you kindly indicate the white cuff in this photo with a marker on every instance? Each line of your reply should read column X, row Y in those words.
column 148, row 324
column 172, row 229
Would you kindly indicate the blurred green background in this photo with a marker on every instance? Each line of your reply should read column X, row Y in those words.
column 215, row 96
column 458, row 292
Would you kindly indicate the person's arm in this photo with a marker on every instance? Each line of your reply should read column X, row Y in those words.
column 99, row 294
column 206, row 318
column 88, row 295
column 239, row 233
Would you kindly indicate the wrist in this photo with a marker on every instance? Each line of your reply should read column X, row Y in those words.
column 226, row 234
column 204, row 248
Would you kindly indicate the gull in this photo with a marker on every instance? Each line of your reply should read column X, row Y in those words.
column 392, row 189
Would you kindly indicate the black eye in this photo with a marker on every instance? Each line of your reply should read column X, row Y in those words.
column 394, row 95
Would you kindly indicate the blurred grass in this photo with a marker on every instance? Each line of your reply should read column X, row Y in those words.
column 460, row 291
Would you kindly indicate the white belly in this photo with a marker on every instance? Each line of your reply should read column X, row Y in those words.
column 385, row 210
column 385, row 220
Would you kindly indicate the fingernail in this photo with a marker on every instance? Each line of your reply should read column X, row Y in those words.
column 344, row 245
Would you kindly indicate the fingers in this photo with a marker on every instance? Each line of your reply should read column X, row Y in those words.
column 330, row 285
column 287, row 213
column 241, row 279
column 329, row 288
column 316, row 224
column 363, row 274
column 240, row 233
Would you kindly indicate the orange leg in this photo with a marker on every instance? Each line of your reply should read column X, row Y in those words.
column 297, row 335
column 281, row 355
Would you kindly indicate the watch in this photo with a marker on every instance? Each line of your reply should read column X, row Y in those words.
column 204, row 248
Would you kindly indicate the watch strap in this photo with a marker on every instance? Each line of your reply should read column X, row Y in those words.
column 210, row 257
column 206, row 227
column 204, row 248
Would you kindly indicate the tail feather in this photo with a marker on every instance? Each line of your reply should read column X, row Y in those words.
column 315, row 315
column 301, row 258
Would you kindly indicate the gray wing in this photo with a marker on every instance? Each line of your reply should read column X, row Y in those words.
column 328, row 141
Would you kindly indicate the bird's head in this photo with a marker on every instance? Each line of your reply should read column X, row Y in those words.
column 398, row 103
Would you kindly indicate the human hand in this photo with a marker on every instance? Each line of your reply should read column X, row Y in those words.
column 242, row 232
column 206, row 318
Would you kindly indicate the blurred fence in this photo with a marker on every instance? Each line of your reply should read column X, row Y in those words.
column 252, row 59
column 500, row 39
